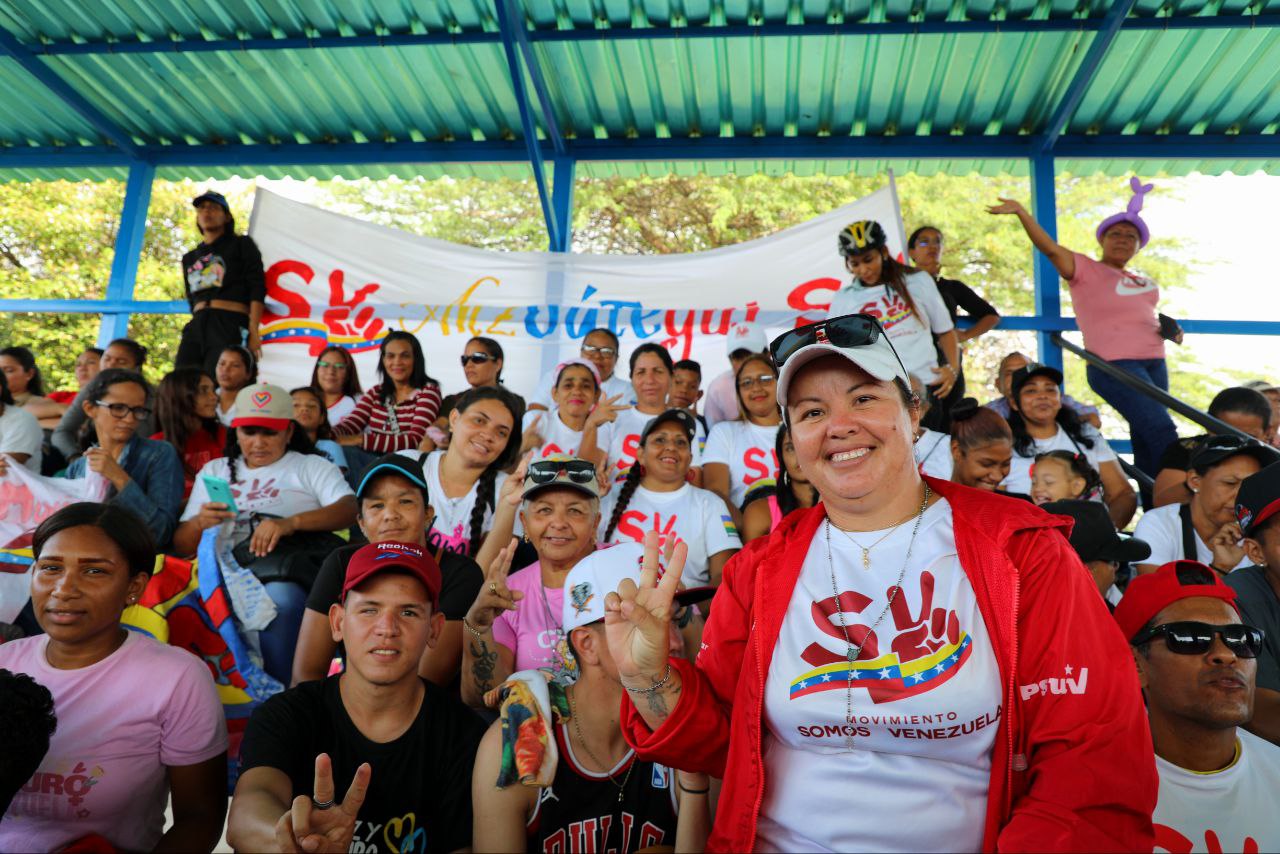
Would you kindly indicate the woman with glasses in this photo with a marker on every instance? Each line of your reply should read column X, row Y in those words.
column 145, row 475
column 881, row 649
column 516, row 621
column 288, row 502
column 1205, row 529
column 739, row 456
column 336, row 379
column 925, row 248
column 482, row 361
column 657, row 496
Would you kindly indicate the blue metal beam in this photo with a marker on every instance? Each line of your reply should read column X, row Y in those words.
column 128, row 250
column 21, row 54
column 972, row 147
column 562, row 186
column 509, row 47
column 596, row 34
column 549, row 120
column 93, row 306
column 1048, row 302
column 1085, row 73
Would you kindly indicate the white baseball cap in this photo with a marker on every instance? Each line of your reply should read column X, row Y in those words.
column 745, row 336
column 599, row 574
column 878, row 357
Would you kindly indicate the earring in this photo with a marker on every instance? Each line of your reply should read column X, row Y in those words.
column 526, row 537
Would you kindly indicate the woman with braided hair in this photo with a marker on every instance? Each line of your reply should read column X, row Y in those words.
column 464, row 480
column 656, row 496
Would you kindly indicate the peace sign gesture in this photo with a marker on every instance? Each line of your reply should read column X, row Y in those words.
column 318, row 824
column 606, row 411
column 637, row 619
column 513, row 486
column 495, row 597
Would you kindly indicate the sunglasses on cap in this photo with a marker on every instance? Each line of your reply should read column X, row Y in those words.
column 851, row 330
column 546, row 471
column 477, row 359
column 1189, row 637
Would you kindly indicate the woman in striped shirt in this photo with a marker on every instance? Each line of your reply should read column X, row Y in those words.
column 394, row 415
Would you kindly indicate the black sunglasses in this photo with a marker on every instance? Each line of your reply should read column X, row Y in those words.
column 1189, row 637
column 546, row 471
column 851, row 330
column 477, row 359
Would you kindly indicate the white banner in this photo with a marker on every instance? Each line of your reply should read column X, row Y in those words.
column 336, row 280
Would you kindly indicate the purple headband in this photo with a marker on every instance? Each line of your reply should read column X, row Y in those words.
column 1131, row 214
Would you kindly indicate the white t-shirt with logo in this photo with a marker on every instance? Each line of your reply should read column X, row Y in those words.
column 558, row 437
column 624, row 442
column 615, row 385
column 20, row 434
column 1019, row 479
column 748, row 450
column 933, row 454
column 451, row 527
column 697, row 517
column 1161, row 528
column 295, row 483
column 926, row 701
column 1229, row 810
column 912, row 335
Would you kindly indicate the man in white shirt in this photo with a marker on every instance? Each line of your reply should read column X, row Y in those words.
column 1196, row 664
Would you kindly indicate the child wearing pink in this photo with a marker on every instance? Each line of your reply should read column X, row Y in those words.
column 121, row 723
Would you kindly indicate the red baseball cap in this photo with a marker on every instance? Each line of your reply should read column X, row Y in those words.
column 406, row 557
column 1148, row 595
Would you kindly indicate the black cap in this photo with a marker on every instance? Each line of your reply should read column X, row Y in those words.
column 1031, row 369
column 1094, row 537
column 680, row 416
column 211, row 196
column 1258, row 499
column 407, row 467
column 1212, row 450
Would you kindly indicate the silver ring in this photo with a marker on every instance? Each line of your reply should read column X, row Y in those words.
column 321, row 806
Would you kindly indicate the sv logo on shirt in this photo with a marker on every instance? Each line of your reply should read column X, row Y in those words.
column 632, row 522
column 756, row 463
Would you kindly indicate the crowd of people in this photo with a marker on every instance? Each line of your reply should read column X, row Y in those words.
column 785, row 608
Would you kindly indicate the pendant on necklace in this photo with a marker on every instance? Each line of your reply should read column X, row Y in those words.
column 866, row 558
column 852, row 655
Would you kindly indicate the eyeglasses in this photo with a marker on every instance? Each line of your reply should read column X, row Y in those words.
column 546, row 471
column 477, row 359
column 123, row 410
column 1194, row 638
column 929, row 241
column 587, row 349
column 851, row 330
column 679, row 442
column 762, row 379
column 334, row 366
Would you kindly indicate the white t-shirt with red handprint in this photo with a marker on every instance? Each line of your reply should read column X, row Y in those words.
column 624, row 442
column 911, row 332
column 558, row 437
column 926, row 700
column 749, row 451
column 1229, row 810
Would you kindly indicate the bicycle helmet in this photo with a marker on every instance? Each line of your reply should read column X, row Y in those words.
column 858, row 237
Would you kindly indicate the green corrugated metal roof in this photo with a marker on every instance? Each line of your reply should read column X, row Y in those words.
column 1179, row 81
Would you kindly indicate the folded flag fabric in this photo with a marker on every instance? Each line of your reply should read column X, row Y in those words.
column 530, row 706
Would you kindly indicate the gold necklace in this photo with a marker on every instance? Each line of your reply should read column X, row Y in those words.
column 866, row 550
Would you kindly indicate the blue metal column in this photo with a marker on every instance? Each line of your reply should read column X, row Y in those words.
column 562, row 213
column 1044, row 207
column 128, row 249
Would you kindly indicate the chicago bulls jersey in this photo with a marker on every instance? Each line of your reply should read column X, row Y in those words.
column 579, row 813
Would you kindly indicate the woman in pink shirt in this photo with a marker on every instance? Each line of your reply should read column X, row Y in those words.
column 1116, row 312
column 138, row 721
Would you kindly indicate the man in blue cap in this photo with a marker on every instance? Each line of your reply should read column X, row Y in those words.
column 225, row 286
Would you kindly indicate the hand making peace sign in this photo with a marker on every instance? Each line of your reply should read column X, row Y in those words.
column 317, row 824
column 495, row 597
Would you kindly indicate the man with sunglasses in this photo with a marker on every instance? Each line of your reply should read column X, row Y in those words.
column 1196, row 663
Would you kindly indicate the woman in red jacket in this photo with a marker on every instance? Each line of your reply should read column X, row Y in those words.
column 911, row 665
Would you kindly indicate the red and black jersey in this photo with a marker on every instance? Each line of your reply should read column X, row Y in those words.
column 579, row 813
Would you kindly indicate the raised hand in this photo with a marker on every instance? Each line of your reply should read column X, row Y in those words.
column 513, row 486
column 1227, row 551
column 495, row 597
column 606, row 411
column 317, row 829
column 532, row 437
column 1006, row 206
column 637, row 618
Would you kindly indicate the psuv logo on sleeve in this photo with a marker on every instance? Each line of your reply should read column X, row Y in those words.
column 1067, row 684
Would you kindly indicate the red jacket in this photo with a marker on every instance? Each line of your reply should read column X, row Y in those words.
column 1073, row 769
